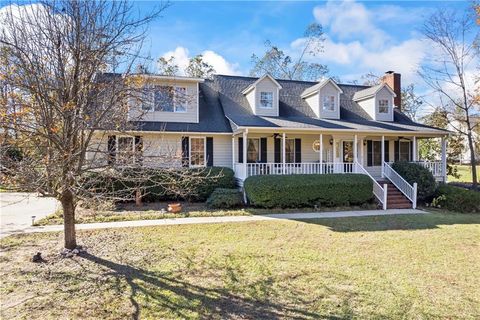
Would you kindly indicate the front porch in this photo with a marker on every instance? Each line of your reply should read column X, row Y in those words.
column 324, row 153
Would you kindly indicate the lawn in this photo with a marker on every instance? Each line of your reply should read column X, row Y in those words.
column 396, row 267
column 465, row 173
column 150, row 211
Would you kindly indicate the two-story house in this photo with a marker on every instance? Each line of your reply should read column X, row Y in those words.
column 271, row 126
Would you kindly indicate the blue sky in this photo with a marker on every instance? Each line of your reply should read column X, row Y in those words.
column 361, row 37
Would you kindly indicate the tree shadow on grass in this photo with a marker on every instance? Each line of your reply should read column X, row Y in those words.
column 182, row 299
column 393, row 222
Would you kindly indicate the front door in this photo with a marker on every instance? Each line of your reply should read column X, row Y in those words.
column 348, row 151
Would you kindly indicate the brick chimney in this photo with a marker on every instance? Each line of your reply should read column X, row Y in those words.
column 393, row 80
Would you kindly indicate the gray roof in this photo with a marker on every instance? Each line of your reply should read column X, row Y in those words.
column 366, row 93
column 294, row 112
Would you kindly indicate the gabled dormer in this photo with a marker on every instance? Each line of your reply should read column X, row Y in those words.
column 377, row 101
column 262, row 96
column 324, row 99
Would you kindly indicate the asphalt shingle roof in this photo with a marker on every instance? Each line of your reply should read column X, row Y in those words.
column 294, row 112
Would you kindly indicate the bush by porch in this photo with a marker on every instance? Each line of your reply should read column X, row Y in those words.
column 308, row 190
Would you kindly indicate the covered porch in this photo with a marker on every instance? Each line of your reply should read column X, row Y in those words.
column 296, row 152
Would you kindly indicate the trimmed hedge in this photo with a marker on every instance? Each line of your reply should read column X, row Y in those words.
column 201, row 186
column 413, row 172
column 225, row 199
column 456, row 199
column 307, row 190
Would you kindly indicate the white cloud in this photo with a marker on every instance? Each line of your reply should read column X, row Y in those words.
column 355, row 40
column 219, row 63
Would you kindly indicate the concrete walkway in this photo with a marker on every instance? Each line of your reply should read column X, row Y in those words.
column 18, row 208
column 226, row 219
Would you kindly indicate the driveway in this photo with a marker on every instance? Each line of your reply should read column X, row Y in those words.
column 17, row 209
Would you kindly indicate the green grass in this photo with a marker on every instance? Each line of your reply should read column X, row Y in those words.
column 465, row 173
column 151, row 211
column 395, row 267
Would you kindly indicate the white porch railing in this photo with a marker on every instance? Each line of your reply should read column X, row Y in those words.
column 406, row 188
column 435, row 167
column 379, row 191
column 254, row 169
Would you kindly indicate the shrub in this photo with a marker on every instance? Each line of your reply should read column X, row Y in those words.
column 413, row 172
column 223, row 198
column 308, row 190
column 196, row 189
column 456, row 199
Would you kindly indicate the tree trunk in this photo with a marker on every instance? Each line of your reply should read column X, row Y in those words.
column 69, row 220
column 138, row 198
column 472, row 159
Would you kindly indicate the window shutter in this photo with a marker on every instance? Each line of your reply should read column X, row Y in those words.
column 185, row 152
column 111, row 145
column 387, row 151
column 369, row 153
column 263, row 150
column 139, row 149
column 277, row 151
column 240, row 150
column 298, row 150
column 397, row 150
column 209, row 152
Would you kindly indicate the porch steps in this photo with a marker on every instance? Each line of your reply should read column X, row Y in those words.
column 395, row 198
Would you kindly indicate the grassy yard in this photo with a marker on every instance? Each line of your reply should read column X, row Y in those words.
column 465, row 173
column 397, row 267
column 151, row 211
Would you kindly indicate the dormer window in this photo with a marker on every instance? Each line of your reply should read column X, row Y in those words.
column 383, row 106
column 266, row 100
column 329, row 103
column 165, row 98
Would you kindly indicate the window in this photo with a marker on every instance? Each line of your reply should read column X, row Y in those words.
column 164, row 98
column 197, row 152
column 404, row 151
column 329, row 103
column 180, row 102
column 266, row 100
column 125, row 150
column 383, row 106
column 290, row 150
column 253, row 150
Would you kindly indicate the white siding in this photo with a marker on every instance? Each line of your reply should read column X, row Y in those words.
column 253, row 98
column 165, row 150
column 190, row 116
column 369, row 106
column 314, row 102
column 329, row 90
column 384, row 94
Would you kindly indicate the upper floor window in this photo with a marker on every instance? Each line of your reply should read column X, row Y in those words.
column 165, row 98
column 383, row 106
column 329, row 103
column 266, row 100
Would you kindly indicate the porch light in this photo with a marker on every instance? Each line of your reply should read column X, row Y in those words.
column 331, row 141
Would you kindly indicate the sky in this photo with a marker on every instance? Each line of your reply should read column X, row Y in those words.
column 360, row 37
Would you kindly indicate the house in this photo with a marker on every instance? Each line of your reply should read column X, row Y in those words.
column 464, row 157
column 270, row 126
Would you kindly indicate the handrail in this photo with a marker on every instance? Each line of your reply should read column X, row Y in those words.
column 379, row 191
column 406, row 188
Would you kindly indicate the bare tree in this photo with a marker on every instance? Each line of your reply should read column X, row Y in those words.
column 411, row 102
column 167, row 67
column 452, row 35
column 55, row 55
column 199, row 68
column 283, row 66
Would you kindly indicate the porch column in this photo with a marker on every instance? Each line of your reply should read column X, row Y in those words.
column 355, row 155
column 245, row 143
column 361, row 151
column 233, row 152
column 444, row 159
column 321, row 153
column 414, row 155
column 383, row 154
column 283, row 153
